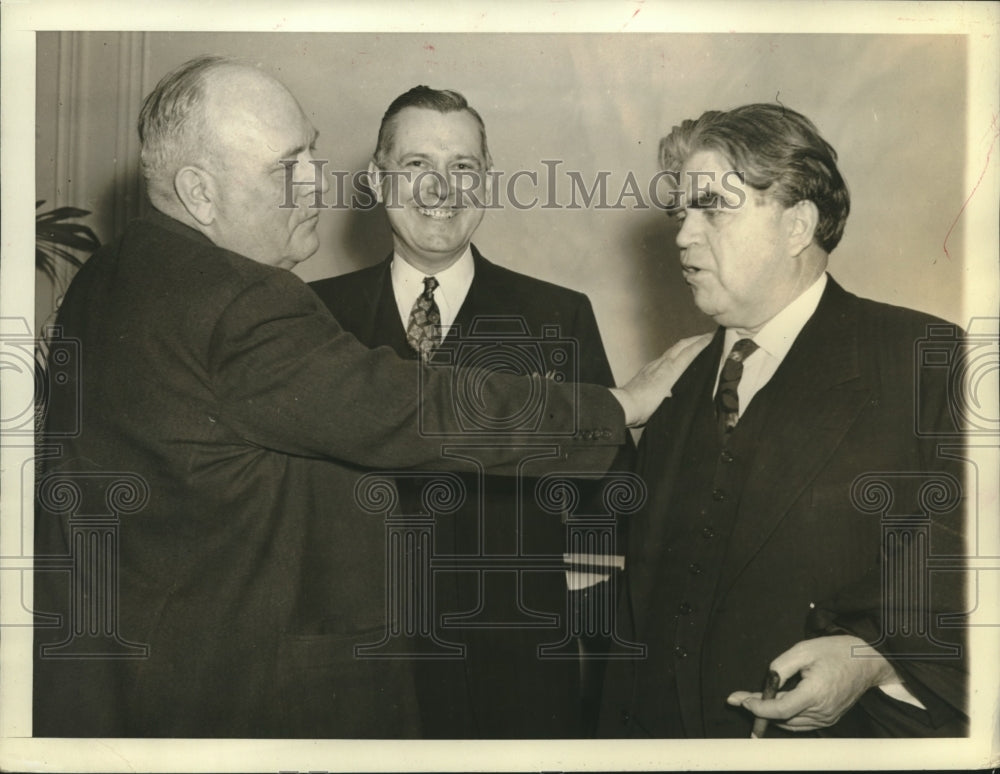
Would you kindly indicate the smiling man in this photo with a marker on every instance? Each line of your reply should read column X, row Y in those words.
column 429, row 169
column 755, row 552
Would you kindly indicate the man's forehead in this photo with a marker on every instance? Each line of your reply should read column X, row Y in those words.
column 419, row 129
column 706, row 177
column 266, row 115
column 248, row 91
column 706, row 164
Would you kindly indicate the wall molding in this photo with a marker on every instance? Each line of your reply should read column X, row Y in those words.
column 132, row 67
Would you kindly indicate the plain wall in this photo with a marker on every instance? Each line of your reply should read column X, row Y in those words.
column 893, row 106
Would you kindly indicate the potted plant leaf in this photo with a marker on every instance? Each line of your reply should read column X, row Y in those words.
column 56, row 241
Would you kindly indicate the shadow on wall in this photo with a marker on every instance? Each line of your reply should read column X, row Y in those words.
column 366, row 239
column 357, row 232
column 664, row 309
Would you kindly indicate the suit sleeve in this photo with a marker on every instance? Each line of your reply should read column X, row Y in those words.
column 595, row 369
column 325, row 394
column 917, row 627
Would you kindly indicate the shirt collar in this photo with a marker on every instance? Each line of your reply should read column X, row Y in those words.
column 779, row 333
column 453, row 286
column 455, row 277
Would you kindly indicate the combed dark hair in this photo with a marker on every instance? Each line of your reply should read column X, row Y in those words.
column 172, row 119
column 441, row 100
column 777, row 150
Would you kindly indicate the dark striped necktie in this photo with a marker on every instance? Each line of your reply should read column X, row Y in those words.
column 423, row 332
column 727, row 398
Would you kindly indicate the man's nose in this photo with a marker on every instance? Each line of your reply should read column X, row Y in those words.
column 311, row 174
column 690, row 229
column 434, row 187
column 322, row 179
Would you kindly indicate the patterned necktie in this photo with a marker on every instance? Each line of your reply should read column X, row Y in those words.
column 422, row 331
column 727, row 399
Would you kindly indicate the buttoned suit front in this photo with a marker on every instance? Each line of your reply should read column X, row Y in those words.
column 501, row 689
column 748, row 547
column 243, row 571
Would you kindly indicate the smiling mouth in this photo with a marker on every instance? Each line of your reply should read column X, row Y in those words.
column 438, row 213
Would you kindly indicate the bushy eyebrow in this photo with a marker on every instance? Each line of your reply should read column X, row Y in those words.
column 706, row 200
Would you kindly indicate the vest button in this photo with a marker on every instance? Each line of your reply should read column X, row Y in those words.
column 694, row 568
column 719, row 494
column 727, row 456
column 685, row 609
column 708, row 533
column 679, row 652
column 626, row 716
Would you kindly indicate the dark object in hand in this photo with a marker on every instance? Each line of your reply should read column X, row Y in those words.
column 769, row 691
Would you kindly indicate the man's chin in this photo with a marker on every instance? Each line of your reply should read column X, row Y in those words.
column 302, row 255
column 291, row 261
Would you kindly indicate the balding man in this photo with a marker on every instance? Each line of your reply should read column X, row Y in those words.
column 221, row 394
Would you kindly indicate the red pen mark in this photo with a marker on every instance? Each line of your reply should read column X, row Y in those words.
column 634, row 14
column 975, row 188
column 429, row 47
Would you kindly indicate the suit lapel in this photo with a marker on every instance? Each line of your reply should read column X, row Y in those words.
column 478, row 298
column 384, row 325
column 813, row 399
column 373, row 291
column 664, row 445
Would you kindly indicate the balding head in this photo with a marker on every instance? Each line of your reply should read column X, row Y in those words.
column 172, row 126
column 188, row 117
column 221, row 142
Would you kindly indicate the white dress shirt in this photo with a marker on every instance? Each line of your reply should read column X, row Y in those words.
column 773, row 342
column 453, row 286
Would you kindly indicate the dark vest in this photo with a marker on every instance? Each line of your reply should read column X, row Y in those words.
column 701, row 515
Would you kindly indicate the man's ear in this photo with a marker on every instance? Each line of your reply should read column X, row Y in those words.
column 803, row 218
column 195, row 189
column 375, row 180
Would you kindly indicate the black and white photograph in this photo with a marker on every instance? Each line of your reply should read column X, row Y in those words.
column 576, row 386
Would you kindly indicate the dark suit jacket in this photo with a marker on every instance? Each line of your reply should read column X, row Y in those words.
column 240, row 406
column 501, row 689
column 802, row 559
column 363, row 304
